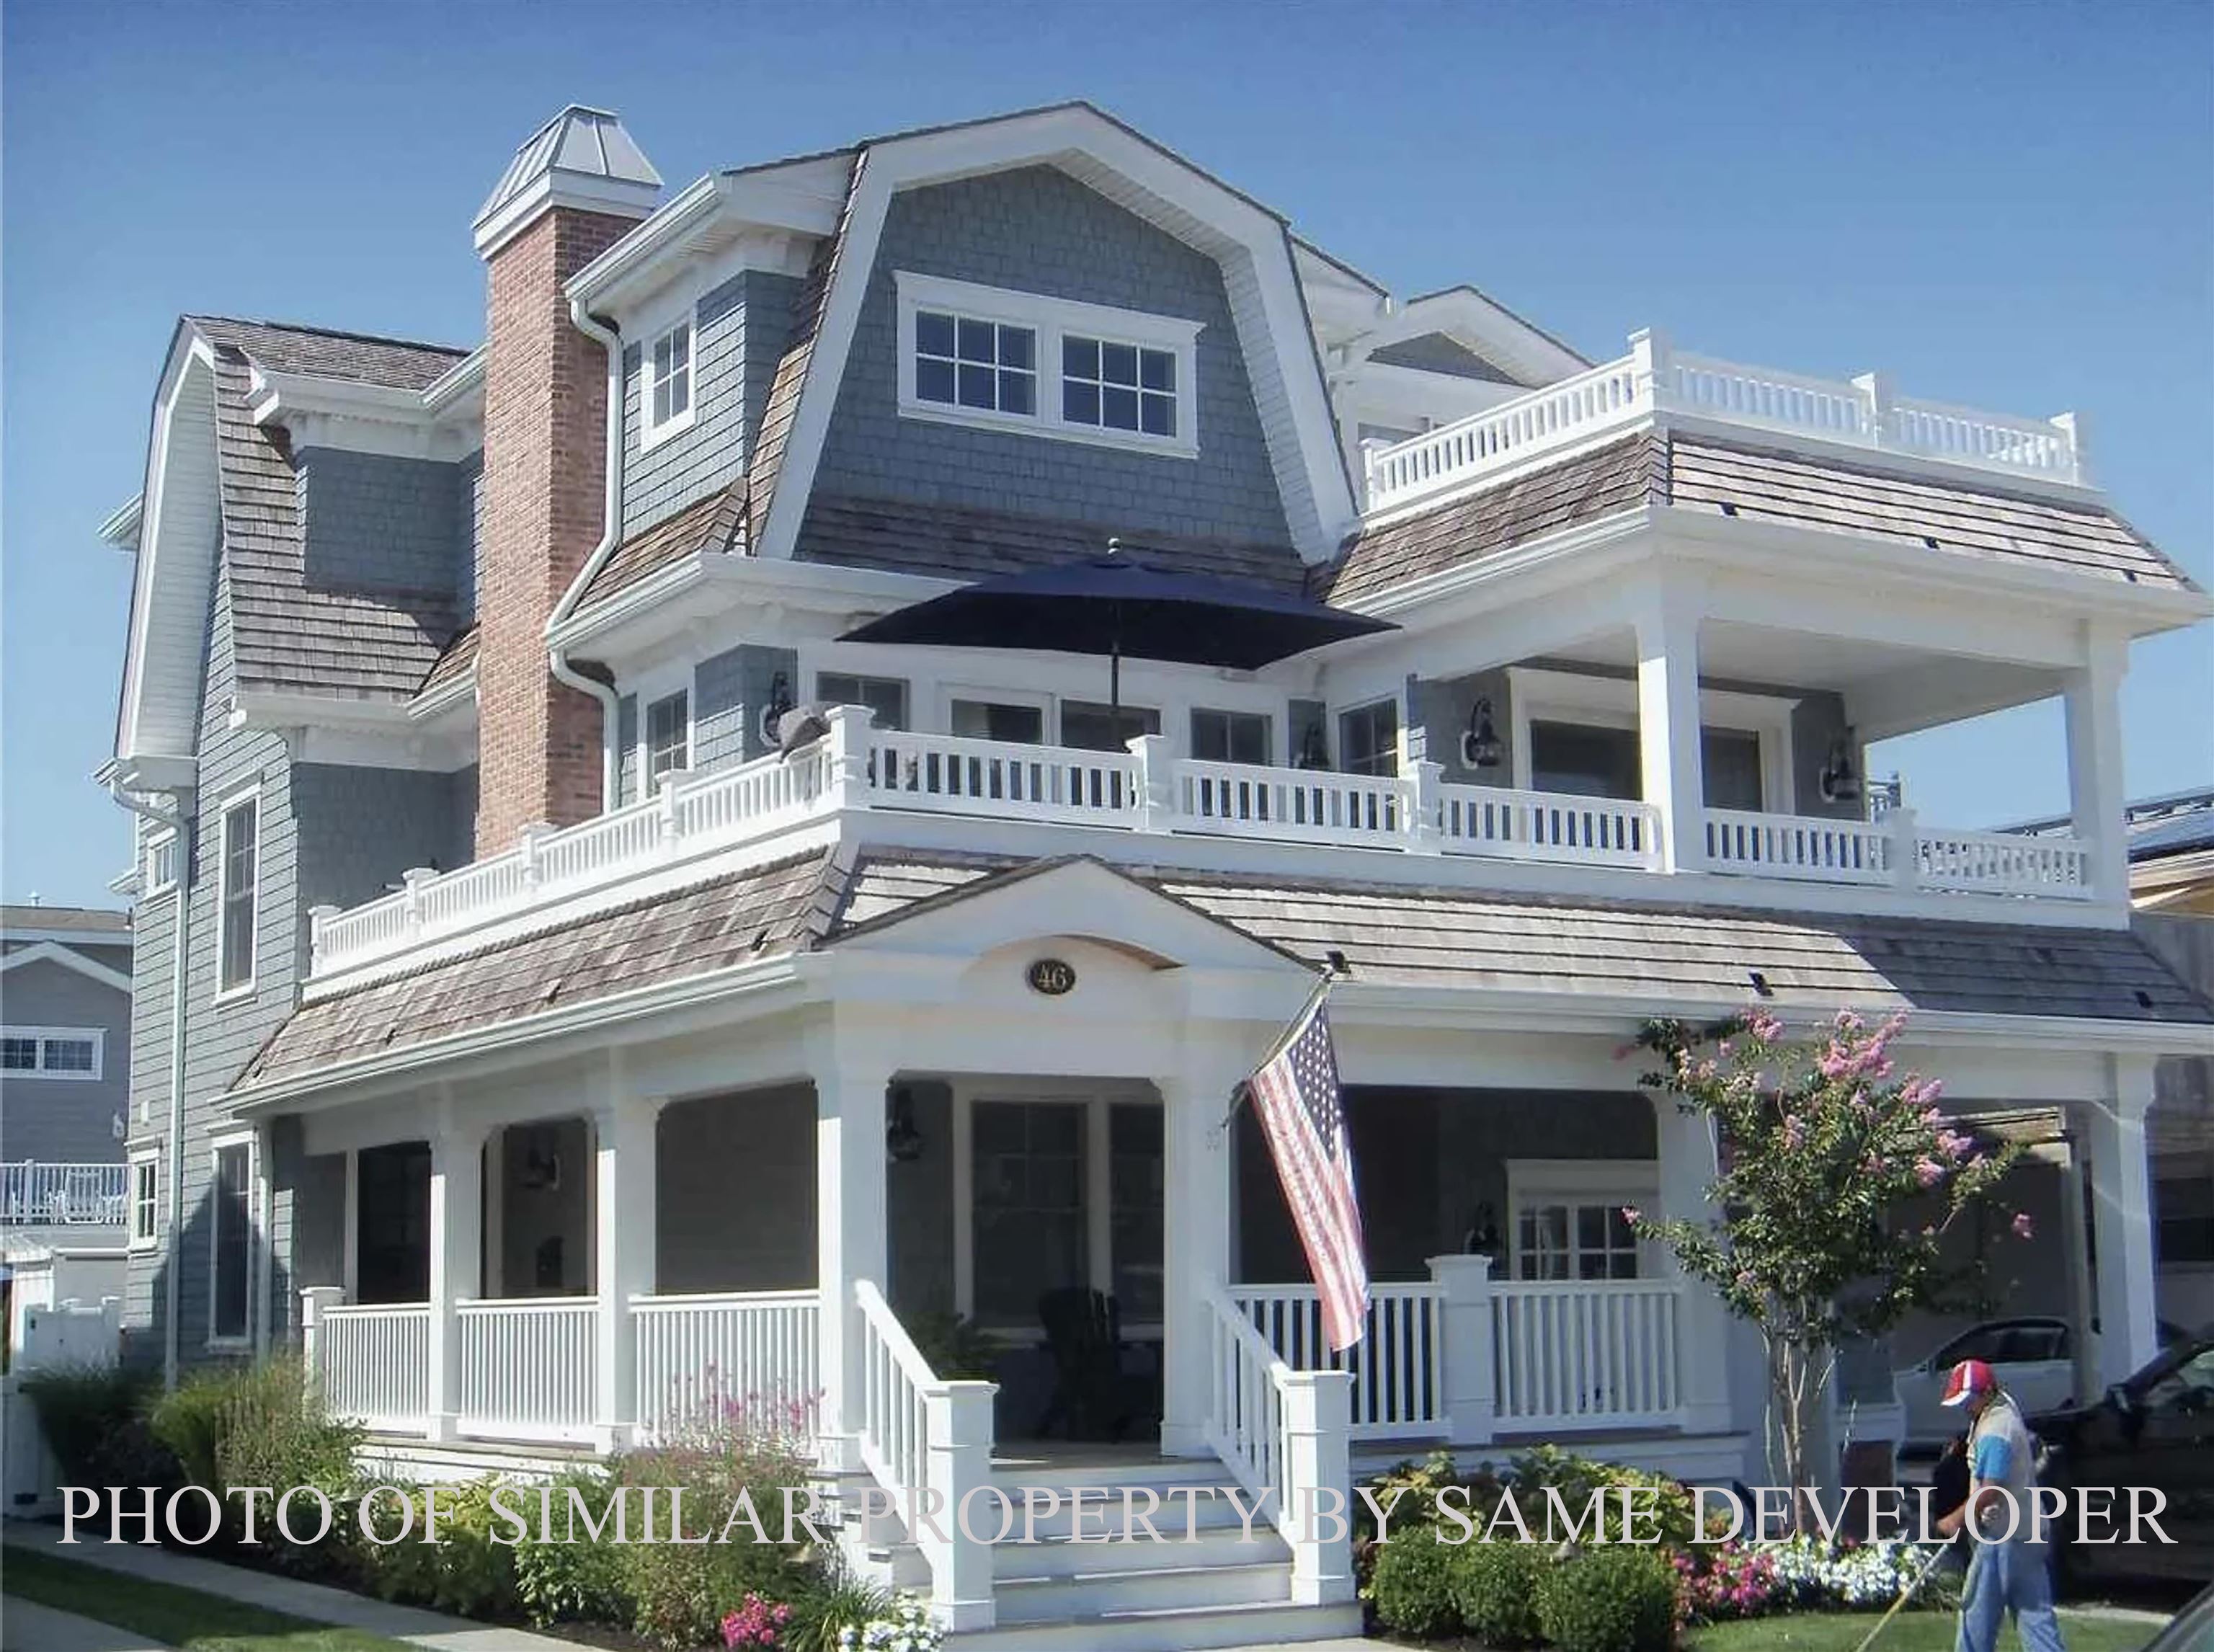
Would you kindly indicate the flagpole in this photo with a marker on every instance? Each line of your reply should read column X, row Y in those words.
column 1328, row 979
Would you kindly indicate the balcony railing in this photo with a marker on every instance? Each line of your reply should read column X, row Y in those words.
column 64, row 1195
column 1858, row 412
column 1148, row 790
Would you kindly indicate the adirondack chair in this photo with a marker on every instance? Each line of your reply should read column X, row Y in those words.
column 1094, row 1397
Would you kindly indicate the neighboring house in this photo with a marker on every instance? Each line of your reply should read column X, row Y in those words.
column 519, row 1028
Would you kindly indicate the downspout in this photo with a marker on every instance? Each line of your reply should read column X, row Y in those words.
column 173, row 819
column 610, row 533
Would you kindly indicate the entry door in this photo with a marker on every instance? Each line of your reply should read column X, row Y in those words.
column 392, row 1235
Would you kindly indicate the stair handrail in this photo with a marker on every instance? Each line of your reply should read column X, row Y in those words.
column 927, row 1442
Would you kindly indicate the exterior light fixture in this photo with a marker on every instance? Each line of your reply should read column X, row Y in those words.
column 1479, row 742
column 1840, row 781
column 902, row 1137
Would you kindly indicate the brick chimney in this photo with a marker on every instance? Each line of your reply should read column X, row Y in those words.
column 573, row 190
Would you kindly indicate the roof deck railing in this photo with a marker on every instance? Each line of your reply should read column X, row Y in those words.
column 1865, row 412
column 41, row 1194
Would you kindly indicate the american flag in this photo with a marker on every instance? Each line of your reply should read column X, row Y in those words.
column 1300, row 1107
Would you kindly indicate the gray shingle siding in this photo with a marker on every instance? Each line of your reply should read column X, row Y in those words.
column 376, row 521
column 730, row 691
column 739, row 329
column 67, row 1121
column 1036, row 229
column 361, row 829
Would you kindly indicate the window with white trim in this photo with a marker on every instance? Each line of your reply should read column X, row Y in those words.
column 667, row 736
column 1567, row 1217
column 972, row 354
column 667, row 393
column 145, row 1200
column 1368, row 739
column 52, row 1052
column 1230, row 737
column 242, row 872
column 885, row 696
column 230, row 1250
column 161, row 873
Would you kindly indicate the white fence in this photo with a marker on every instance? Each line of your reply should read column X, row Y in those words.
column 1584, row 1353
column 1798, row 846
column 64, row 1195
column 950, row 774
column 1397, row 1367
column 530, row 1369
column 1860, row 412
column 1896, row 851
column 1549, row 826
column 2004, row 863
column 698, row 1357
column 373, row 1363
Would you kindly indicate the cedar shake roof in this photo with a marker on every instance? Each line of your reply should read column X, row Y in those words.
column 957, row 542
column 1391, row 936
column 455, row 660
column 1754, row 483
column 732, row 920
column 715, row 522
column 287, row 636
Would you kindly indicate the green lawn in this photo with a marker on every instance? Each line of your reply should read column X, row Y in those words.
column 1910, row 1632
column 184, row 1617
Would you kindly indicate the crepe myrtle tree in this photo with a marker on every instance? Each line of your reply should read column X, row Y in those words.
column 1837, row 1185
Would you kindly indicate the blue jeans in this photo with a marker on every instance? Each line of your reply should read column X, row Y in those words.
column 2007, row 1578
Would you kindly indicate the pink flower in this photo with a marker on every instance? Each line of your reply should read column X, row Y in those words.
column 1929, row 1172
column 1632, row 1214
column 2023, row 1227
column 1763, row 1028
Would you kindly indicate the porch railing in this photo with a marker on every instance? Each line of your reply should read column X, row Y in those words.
column 1313, row 805
column 2004, row 863
column 950, row 774
column 1584, row 1353
column 697, row 1355
column 1798, row 846
column 1397, row 1368
column 1549, row 826
column 1897, row 851
column 528, row 1366
column 372, row 1362
column 63, row 1194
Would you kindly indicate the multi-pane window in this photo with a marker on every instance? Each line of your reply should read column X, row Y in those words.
column 668, row 379
column 967, row 362
column 161, row 863
column 1368, row 739
column 52, row 1052
column 1230, row 737
column 1089, row 726
column 990, row 719
column 145, row 1187
column 231, row 1250
column 667, row 736
column 1118, row 387
column 885, row 696
column 1575, row 1239
column 1030, row 1233
column 241, row 871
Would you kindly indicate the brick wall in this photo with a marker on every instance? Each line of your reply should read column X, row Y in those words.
column 545, row 462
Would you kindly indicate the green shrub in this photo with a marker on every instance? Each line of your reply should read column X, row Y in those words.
column 1412, row 1585
column 465, row 1572
column 571, row 1582
column 258, row 1425
column 1494, row 1590
column 1615, row 1598
column 93, row 1417
column 832, row 1601
column 1670, row 1521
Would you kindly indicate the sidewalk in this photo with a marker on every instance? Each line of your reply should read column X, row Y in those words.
column 26, row 1626
column 315, row 1601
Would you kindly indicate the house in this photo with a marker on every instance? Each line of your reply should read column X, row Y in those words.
column 529, row 1035
column 64, row 1091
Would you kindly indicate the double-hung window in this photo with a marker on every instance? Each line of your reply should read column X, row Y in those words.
column 241, row 865
column 668, row 391
column 667, row 736
column 977, row 355
column 231, row 1244
column 161, row 873
column 145, row 1200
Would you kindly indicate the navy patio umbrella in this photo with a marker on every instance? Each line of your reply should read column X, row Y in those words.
column 1115, row 605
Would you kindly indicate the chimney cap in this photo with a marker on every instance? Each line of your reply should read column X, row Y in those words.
column 583, row 157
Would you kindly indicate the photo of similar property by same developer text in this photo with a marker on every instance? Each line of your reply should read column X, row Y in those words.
column 1106, row 825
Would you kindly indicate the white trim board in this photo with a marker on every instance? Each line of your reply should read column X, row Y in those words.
column 52, row 951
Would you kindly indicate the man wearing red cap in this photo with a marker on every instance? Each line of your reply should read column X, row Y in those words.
column 2007, row 1573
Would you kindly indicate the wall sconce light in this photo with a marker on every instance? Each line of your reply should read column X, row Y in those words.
column 780, row 702
column 1840, row 781
column 902, row 1138
column 1479, row 742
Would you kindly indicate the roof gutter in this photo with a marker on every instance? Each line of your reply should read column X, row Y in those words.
column 556, row 654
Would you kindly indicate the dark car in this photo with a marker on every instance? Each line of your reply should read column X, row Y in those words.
column 2154, row 1430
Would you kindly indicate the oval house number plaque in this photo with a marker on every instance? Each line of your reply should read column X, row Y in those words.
column 1052, row 976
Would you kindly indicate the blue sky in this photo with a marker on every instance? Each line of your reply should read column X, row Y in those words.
column 2007, row 205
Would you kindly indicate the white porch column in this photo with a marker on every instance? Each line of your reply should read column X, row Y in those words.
column 1199, row 1207
column 457, row 1257
column 851, row 1238
column 1688, row 1166
column 2092, row 699
column 1317, row 1460
column 2121, row 1207
column 1668, row 721
column 623, row 1175
column 1470, row 1400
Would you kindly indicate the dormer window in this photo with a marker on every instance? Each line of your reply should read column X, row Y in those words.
column 973, row 355
column 668, row 391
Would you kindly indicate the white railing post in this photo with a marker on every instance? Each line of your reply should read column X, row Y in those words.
column 1156, row 783
column 1651, row 369
column 319, row 918
column 845, row 756
column 958, row 1426
column 1904, row 848
column 2070, row 426
column 1425, row 799
column 1879, row 408
column 415, row 880
column 1317, row 1454
column 530, row 844
column 1470, row 1401
column 667, row 823
column 312, row 1300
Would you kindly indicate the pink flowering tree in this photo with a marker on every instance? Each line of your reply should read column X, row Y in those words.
column 1838, row 1182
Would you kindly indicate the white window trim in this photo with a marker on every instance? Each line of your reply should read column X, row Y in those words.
column 151, row 883
column 1049, row 721
column 645, row 705
column 59, row 1076
column 1334, row 732
column 650, row 434
column 1050, row 319
column 223, row 810
column 248, row 1139
column 1634, row 1181
column 143, row 1158
column 1547, row 696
